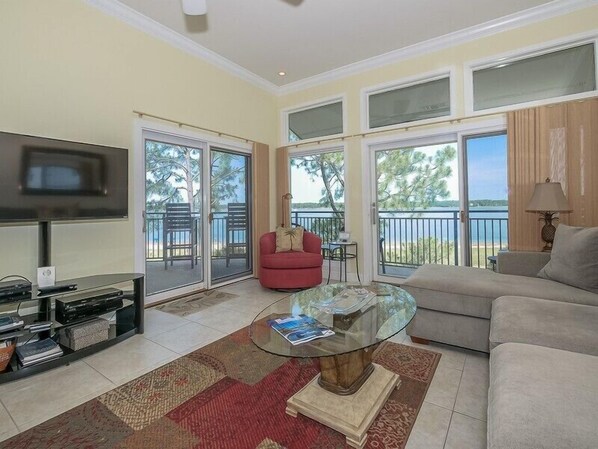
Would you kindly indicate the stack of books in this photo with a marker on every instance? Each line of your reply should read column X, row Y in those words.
column 39, row 326
column 10, row 323
column 38, row 352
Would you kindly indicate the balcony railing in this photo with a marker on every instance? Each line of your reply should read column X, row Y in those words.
column 154, row 235
column 324, row 223
column 410, row 238
column 407, row 238
column 413, row 238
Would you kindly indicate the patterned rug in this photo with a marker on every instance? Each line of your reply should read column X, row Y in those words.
column 228, row 395
column 195, row 302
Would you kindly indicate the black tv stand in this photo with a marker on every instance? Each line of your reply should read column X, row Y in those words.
column 125, row 321
column 44, row 243
column 61, row 287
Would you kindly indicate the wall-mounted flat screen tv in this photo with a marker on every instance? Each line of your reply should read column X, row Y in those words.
column 45, row 179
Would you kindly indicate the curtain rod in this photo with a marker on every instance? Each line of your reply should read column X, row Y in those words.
column 421, row 125
column 341, row 138
column 398, row 128
column 189, row 125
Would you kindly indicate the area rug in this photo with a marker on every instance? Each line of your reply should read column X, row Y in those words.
column 229, row 395
column 195, row 302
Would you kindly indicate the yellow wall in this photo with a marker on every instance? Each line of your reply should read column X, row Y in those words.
column 68, row 71
column 568, row 25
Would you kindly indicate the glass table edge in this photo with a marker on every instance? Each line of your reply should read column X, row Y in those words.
column 253, row 322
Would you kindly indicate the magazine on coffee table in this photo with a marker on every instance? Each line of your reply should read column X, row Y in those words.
column 297, row 329
column 349, row 300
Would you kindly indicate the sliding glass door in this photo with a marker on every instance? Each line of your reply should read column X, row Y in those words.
column 486, row 210
column 230, row 214
column 197, row 215
column 439, row 201
column 173, row 212
column 416, row 207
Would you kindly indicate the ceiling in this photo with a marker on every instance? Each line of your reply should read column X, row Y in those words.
column 306, row 38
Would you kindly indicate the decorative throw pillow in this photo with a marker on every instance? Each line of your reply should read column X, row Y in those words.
column 289, row 239
column 574, row 258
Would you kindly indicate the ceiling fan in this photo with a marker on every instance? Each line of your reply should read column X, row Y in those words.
column 194, row 7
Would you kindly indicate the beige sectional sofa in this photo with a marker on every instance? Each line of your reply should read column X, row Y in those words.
column 542, row 337
column 455, row 303
column 542, row 398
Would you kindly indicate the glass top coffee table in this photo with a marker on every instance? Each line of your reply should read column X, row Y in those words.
column 350, row 390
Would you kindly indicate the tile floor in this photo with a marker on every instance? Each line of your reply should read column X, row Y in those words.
column 453, row 415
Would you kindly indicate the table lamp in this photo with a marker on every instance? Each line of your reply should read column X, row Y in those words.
column 548, row 199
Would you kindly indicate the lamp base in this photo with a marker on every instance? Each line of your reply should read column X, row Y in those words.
column 548, row 231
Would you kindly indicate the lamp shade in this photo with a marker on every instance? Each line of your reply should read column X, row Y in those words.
column 194, row 7
column 548, row 197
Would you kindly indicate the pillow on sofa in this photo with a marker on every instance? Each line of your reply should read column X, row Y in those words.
column 289, row 239
column 574, row 258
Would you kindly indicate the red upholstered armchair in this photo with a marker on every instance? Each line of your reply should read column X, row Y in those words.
column 291, row 269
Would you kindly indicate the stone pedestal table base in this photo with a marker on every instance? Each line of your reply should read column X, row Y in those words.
column 351, row 415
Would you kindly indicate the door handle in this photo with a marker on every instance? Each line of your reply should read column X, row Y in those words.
column 210, row 217
column 374, row 213
column 462, row 216
column 144, row 228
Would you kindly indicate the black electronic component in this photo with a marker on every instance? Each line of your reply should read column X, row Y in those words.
column 13, row 291
column 58, row 288
column 77, row 307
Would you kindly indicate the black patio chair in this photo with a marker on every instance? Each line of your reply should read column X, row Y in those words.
column 179, row 234
column 237, row 232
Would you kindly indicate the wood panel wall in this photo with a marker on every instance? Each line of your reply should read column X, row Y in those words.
column 559, row 142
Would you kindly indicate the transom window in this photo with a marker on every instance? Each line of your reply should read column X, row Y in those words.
column 424, row 99
column 554, row 74
column 316, row 121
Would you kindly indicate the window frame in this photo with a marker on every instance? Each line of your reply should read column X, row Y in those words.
column 334, row 147
column 284, row 115
column 522, row 54
column 446, row 72
column 373, row 143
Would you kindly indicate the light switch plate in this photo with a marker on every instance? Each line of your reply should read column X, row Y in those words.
column 46, row 276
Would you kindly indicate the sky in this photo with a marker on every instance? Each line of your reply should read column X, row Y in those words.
column 487, row 168
column 303, row 189
column 487, row 172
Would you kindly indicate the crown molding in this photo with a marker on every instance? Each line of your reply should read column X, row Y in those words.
column 516, row 20
column 147, row 25
column 509, row 22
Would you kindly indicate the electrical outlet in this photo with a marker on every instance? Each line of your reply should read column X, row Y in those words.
column 46, row 276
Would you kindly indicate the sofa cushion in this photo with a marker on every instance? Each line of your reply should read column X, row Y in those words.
column 289, row 239
column 574, row 258
column 521, row 263
column 291, row 259
column 555, row 324
column 454, row 329
column 470, row 291
column 542, row 398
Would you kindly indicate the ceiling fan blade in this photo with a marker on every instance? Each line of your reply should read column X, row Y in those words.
column 194, row 7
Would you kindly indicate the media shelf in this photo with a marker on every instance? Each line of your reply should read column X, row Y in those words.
column 127, row 320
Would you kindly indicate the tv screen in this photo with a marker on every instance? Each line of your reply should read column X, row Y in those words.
column 46, row 180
